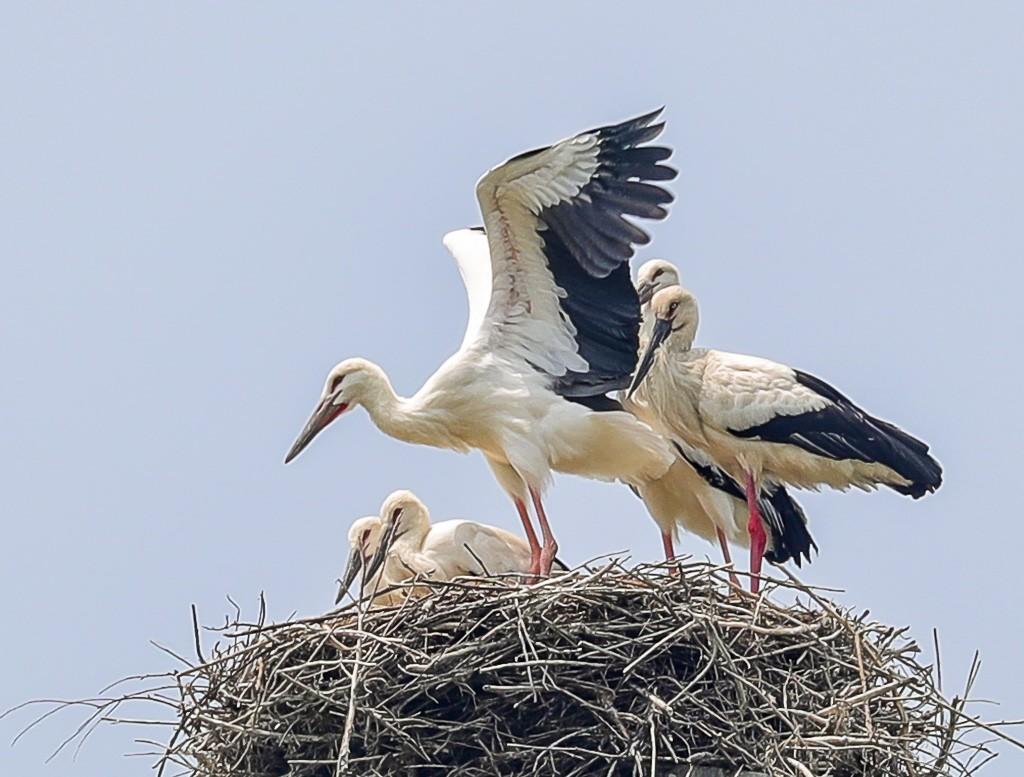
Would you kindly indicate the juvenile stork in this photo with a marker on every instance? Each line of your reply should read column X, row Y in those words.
column 696, row 494
column 763, row 420
column 364, row 540
column 559, row 328
column 653, row 276
column 412, row 546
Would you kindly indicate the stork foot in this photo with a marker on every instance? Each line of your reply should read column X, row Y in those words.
column 547, row 558
column 550, row 546
column 531, row 538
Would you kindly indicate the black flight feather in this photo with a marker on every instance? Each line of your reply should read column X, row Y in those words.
column 842, row 430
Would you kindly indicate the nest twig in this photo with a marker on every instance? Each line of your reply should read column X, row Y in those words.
column 612, row 671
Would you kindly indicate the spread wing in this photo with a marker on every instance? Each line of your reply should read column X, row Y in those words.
column 469, row 249
column 560, row 240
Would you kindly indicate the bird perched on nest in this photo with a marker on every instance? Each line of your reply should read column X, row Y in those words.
column 699, row 497
column 763, row 420
column 412, row 547
column 696, row 494
column 554, row 328
column 364, row 538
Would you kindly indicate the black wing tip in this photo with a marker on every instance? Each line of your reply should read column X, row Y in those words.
column 843, row 431
column 634, row 123
column 631, row 132
column 928, row 481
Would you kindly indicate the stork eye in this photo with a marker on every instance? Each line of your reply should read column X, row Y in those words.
column 366, row 536
column 396, row 513
column 673, row 307
column 335, row 382
column 657, row 273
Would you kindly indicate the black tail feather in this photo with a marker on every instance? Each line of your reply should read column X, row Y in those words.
column 787, row 525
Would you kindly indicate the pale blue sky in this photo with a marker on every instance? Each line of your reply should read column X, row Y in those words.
column 201, row 206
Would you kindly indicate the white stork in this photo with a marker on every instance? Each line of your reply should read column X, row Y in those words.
column 413, row 547
column 696, row 494
column 558, row 329
column 653, row 276
column 364, row 539
column 765, row 421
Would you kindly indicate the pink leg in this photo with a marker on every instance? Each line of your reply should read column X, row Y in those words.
column 758, row 538
column 666, row 543
column 728, row 557
column 550, row 548
column 531, row 537
column 670, row 551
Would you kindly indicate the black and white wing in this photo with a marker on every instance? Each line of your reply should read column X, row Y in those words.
column 759, row 399
column 560, row 238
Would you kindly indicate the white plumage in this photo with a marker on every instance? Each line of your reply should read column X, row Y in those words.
column 763, row 421
column 469, row 249
column 696, row 494
column 559, row 331
column 653, row 276
column 364, row 540
column 414, row 548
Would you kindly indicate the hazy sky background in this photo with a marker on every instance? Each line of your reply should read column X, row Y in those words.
column 204, row 206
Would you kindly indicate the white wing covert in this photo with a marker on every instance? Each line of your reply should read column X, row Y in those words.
column 740, row 392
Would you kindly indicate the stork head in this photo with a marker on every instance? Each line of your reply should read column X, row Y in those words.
column 675, row 316
column 403, row 519
column 655, row 275
column 363, row 541
column 349, row 384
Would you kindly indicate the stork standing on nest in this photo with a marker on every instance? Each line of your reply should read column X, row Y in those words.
column 559, row 329
column 760, row 419
column 696, row 494
column 699, row 497
column 411, row 546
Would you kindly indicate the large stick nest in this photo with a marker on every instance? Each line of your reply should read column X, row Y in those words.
column 609, row 672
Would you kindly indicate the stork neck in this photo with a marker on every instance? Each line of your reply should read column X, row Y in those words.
column 406, row 418
column 680, row 342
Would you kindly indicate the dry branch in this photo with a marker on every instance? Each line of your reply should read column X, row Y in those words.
column 612, row 671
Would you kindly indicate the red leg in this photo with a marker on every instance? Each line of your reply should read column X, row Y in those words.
column 670, row 551
column 666, row 543
column 758, row 538
column 728, row 557
column 531, row 537
column 550, row 548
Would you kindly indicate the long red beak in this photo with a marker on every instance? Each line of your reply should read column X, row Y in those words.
column 321, row 418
